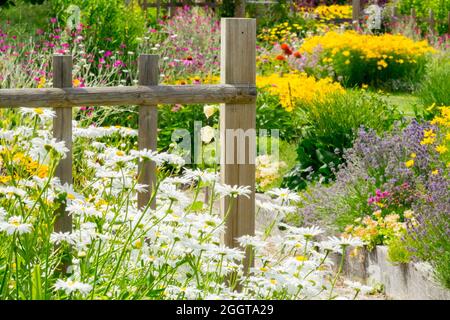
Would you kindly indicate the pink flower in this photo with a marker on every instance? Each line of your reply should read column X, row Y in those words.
column 53, row 20
column 118, row 63
column 176, row 107
column 188, row 61
column 107, row 54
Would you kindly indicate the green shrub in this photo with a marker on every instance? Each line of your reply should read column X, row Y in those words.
column 398, row 251
column 388, row 61
column 26, row 17
column 433, row 245
column 112, row 24
column 271, row 115
column 422, row 7
column 435, row 89
column 329, row 128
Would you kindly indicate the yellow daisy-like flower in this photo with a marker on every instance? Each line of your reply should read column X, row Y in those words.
column 441, row 149
column 429, row 133
column 409, row 163
column 429, row 140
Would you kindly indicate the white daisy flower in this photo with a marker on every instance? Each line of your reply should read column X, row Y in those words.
column 14, row 224
column 41, row 147
column 346, row 241
column 71, row 286
column 225, row 190
column 284, row 194
column 42, row 113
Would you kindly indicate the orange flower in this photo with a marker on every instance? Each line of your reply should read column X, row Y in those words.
column 280, row 57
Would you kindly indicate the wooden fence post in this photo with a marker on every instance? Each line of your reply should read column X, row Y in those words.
column 431, row 20
column 238, row 66
column 62, row 131
column 148, row 127
column 448, row 22
column 239, row 8
column 356, row 10
column 395, row 13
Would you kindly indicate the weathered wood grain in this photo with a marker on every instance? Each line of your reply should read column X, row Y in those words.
column 62, row 131
column 134, row 95
column 238, row 67
column 148, row 128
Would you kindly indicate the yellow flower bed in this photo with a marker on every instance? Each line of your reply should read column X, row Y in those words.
column 25, row 166
column 440, row 143
column 334, row 12
column 280, row 32
column 295, row 87
column 358, row 59
column 369, row 46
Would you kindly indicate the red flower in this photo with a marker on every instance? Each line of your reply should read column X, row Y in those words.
column 286, row 49
column 297, row 54
column 284, row 46
column 280, row 57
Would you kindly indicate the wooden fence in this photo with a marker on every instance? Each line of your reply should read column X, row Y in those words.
column 431, row 20
column 237, row 92
column 172, row 5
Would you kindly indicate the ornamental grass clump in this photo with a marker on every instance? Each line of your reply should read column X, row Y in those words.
column 435, row 88
column 378, row 60
column 118, row 250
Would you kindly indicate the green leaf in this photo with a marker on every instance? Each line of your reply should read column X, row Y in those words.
column 36, row 284
column 197, row 206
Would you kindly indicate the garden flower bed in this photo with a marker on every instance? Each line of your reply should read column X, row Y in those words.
column 350, row 179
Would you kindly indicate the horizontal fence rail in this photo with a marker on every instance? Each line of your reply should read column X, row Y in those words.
column 135, row 95
column 236, row 93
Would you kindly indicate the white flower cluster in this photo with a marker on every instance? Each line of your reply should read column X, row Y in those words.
column 119, row 251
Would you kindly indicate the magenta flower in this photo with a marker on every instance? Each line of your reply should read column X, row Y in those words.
column 53, row 20
column 118, row 64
